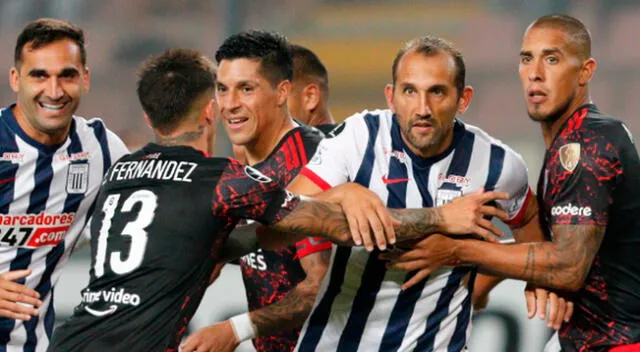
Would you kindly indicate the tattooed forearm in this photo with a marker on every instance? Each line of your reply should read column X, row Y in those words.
column 416, row 222
column 293, row 309
column 182, row 138
column 321, row 219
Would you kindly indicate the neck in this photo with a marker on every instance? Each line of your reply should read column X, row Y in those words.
column 321, row 116
column 551, row 127
column 48, row 138
column 191, row 136
column 267, row 140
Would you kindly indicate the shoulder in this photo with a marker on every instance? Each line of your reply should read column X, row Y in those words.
column 485, row 138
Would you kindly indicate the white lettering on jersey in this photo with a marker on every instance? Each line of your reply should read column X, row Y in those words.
column 255, row 260
column 33, row 230
column 179, row 171
column 570, row 209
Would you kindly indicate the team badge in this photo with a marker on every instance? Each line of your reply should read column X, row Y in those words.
column 569, row 156
column 446, row 193
column 77, row 178
column 256, row 175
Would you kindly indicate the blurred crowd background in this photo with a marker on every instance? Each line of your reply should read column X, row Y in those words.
column 357, row 40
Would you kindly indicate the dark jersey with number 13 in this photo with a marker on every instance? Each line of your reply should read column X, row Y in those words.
column 160, row 221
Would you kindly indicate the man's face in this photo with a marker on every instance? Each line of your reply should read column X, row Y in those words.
column 549, row 71
column 246, row 99
column 49, row 83
column 425, row 101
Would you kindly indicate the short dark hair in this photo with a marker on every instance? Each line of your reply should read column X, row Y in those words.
column 270, row 48
column 307, row 64
column 170, row 83
column 45, row 31
column 430, row 45
column 575, row 29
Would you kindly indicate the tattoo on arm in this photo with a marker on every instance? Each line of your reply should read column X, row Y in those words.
column 182, row 138
column 568, row 262
column 321, row 219
column 292, row 310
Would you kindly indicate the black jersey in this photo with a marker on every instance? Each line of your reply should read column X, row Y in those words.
column 160, row 220
column 591, row 176
column 270, row 275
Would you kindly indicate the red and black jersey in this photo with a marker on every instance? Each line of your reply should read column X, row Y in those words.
column 270, row 275
column 591, row 176
column 160, row 221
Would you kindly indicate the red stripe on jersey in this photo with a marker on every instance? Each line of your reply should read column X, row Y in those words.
column 287, row 156
column 301, row 150
column 311, row 245
column 294, row 152
column 626, row 348
column 315, row 179
column 516, row 221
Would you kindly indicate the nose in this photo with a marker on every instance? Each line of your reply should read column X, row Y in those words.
column 54, row 89
column 536, row 71
column 229, row 101
column 423, row 107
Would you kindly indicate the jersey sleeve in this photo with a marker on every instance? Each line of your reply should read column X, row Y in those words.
column 583, row 175
column 311, row 245
column 243, row 192
column 331, row 163
column 117, row 148
column 514, row 181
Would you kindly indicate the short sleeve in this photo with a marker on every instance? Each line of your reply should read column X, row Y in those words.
column 117, row 148
column 514, row 181
column 585, row 173
column 330, row 164
column 243, row 192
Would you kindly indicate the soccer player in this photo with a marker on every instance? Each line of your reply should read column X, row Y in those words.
column 164, row 212
column 51, row 165
column 280, row 284
column 589, row 198
column 415, row 154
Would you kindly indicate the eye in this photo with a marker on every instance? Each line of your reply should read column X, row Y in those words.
column 220, row 88
column 247, row 89
column 408, row 90
column 437, row 91
column 552, row 60
column 525, row 59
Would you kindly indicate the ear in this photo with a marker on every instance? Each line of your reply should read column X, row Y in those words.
column 587, row 70
column 311, row 96
column 87, row 79
column 388, row 94
column 210, row 112
column 465, row 99
column 148, row 120
column 283, row 90
column 14, row 79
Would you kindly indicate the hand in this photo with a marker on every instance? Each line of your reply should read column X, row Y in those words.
column 465, row 215
column 365, row 211
column 560, row 308
column 13, row 296
column 426, row 255
column 219, row 337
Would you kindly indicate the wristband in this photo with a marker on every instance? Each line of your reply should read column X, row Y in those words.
column 243, row 327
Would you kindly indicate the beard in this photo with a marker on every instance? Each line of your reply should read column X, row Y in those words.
column 554, row 114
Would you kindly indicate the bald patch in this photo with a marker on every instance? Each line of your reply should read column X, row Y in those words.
column 576, row 34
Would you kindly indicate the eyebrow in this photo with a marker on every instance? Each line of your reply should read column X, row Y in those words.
column 545, row 52
column 65, row 72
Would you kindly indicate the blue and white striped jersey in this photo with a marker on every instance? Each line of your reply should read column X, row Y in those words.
column 46, row 196
column 361, row 306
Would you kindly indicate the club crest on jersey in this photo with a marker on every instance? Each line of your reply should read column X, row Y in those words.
column 446, row 193
column 569, row 156
column 256, row 175
column 77, row 178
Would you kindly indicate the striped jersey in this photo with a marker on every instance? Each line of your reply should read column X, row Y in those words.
column 46, row 196
column 361, row 306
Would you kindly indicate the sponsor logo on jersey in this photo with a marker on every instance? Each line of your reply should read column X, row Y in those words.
column 399, row 155
column 287, row 199
column 114, row 295
column 390, row 181
column 570, row 209
column 256, row 175
column 255, row 260
column 569, row 156
column 75, row 156
column 77, row 178
column 13, row 157
column 458, row 180
column 34, row 230
column 337, row 130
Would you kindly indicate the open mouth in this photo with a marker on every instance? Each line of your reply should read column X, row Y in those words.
column 536, row 95
column 52, row 107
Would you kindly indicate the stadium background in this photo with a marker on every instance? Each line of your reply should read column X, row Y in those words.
column 357, row 41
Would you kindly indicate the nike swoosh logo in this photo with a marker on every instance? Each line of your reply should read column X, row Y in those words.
column 101, row 313
column 387, row 181
column 7, row 180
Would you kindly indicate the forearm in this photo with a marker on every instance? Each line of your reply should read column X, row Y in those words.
column 538, row 263
column 287, row 314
